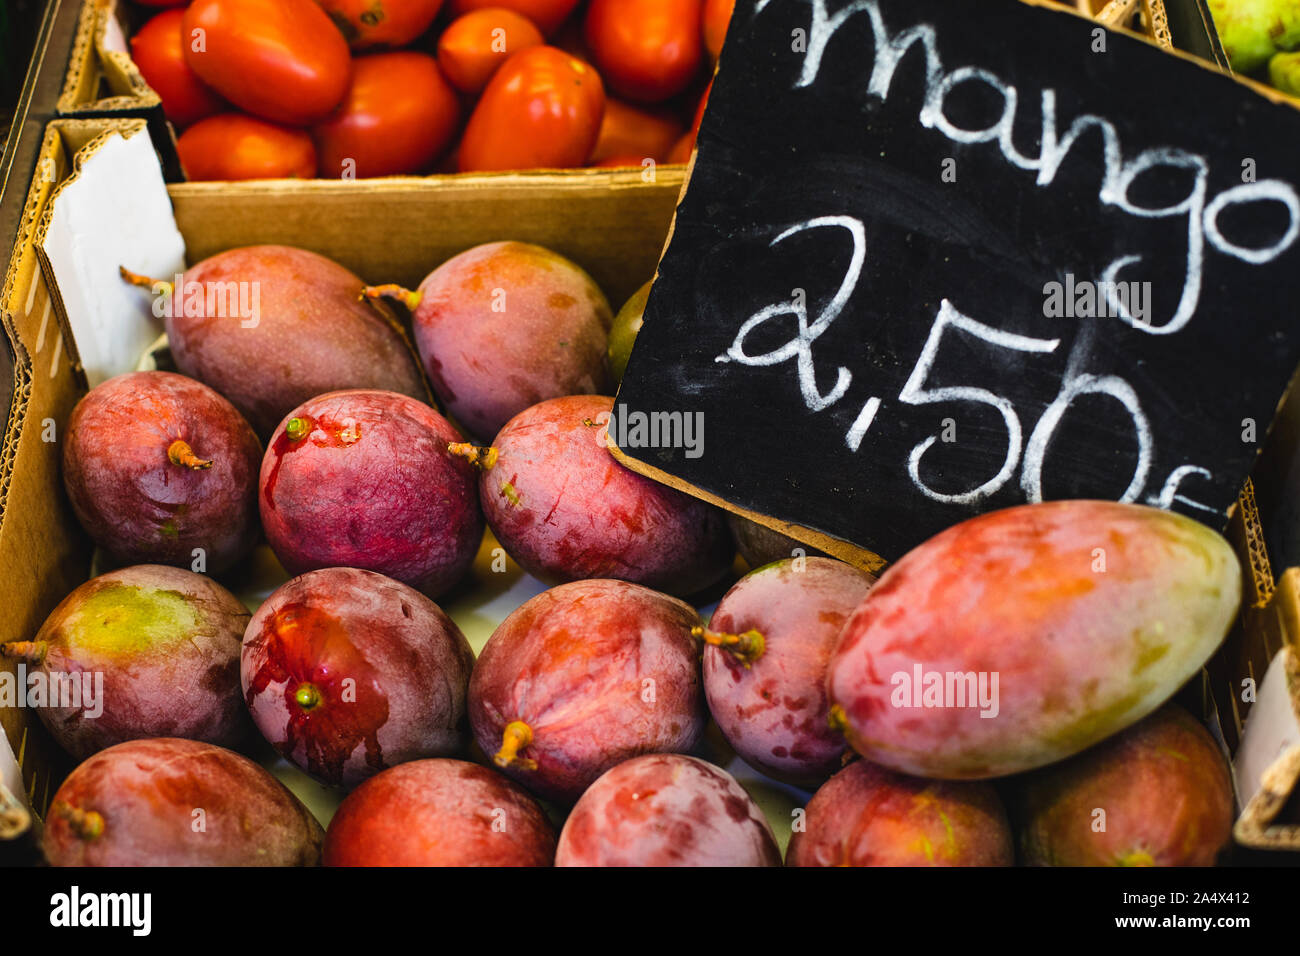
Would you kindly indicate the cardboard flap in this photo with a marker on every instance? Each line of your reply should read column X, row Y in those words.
column 11, row 775
column 101, row 75
column 15, row 808
column 116, row 179
column 21, row 392
column 1267, row 764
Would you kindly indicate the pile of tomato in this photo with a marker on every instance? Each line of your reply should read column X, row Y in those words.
column 360, row 88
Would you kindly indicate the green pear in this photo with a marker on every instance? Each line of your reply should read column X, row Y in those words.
column 1253, row 30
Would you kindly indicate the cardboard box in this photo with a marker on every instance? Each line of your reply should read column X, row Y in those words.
column 1252, row 687
column 101, row 76
column 43, row 554
column 611, row 222
column 103, row 82
column 614, row 224
column 393, row 229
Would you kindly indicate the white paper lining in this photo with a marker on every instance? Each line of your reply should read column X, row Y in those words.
column 122, row 185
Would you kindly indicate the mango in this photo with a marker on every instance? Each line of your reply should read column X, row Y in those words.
column 504, row 326
column 627, row 324
column 270, row 327
column 866, row 815
column 144, row 651
column 167, row 801
column 1022, row 637
column 1157, row 794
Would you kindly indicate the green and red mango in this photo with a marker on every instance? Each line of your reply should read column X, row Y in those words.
column 1019, row 638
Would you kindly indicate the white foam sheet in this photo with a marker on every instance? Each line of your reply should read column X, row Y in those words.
column 121, row 184
column 10, row 773
column 114, row 38
column 1271, row 730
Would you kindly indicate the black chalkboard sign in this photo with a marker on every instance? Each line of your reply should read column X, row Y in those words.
column 937, row 258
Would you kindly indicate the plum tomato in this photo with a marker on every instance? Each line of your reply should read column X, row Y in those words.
column 646, row 50
column 282, row 60
column 717, row 17
column 398, row 117
column 381, row 23
column 158, row 49
column 472, row 48
column 681, row 152
column 232, row 146
column 542, row 109
column 629, row 130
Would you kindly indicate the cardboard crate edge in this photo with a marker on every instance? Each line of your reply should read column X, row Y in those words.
column 93, row 131
column 41, row 573
column 90, row 59
column 1268, row 625
column 133, row 97
column 94, row 134
column 67, row 142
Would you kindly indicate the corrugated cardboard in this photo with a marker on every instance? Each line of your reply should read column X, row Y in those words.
column 43, row 553
column 102, row 78
column 397, row 230
column 103, row 81
column 613, row 222
column 1253, row 684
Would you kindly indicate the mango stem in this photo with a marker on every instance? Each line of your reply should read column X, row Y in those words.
column 837, row 718
column 482, row 458
column 517, row 736
column 180, row 453
column 746, row 648
column 86, row 824
column 307, row 696
column 156, row 286
column 408, row 298
column 298, row 428
column 31, row 652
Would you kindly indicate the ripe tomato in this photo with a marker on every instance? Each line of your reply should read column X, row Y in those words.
column 631, row 131
column 282, row 60
column 158, row 49
column 700, row 108
column 542, row 109
column 681, row 153
column 547, row 14
column 647, row 50
column 473, row 46
column 235, row 146
column 398, row 116
column 162, row 3
column 717, row 16
column 372, row 23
